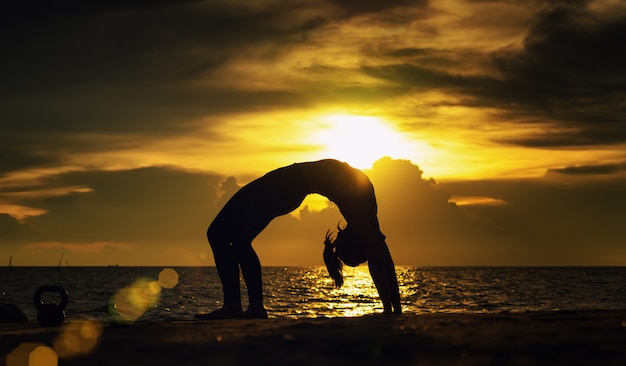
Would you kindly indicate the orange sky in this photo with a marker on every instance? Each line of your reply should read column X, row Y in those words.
column 504, row 125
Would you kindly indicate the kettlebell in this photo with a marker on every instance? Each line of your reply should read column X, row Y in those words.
column 50, row 314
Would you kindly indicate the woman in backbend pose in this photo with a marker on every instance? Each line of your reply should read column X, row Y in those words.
column 279, row 192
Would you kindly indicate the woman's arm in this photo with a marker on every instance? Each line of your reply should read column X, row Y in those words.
column 380, row 265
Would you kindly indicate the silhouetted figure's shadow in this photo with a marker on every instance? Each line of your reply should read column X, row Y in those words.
column 279, row 192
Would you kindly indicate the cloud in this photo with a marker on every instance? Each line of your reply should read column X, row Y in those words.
column 148, row 205
column 560, row 219
column 73, row 83
column 371, row 6
column 422, row 78
column 567, row 74
column 572, row 70
column 12, row 231
column 603, row 169
column 84, row 248
column 16, row 158
column 132, row 217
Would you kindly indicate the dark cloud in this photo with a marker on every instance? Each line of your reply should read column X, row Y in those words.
column 423, row 78
column 145, row 205
column 420, row 223
column 570, row 72
column 569, row 133
column 16, row 158
column 564, row 218
column 136, row 110
column 144, row 61
column 409, row 52
column 569, row 47
column 352, row 8
column 601, row 169
column 71, row 45
column 148, row 44
column 13, row 233
column 120, row 69
column 42, row 10
column 226, row 189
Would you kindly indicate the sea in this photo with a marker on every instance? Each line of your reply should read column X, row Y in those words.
column 129, row 294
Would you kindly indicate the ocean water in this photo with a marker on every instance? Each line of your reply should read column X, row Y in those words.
column 158, row 293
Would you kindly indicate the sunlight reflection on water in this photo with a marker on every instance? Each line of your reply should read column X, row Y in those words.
column 309, row 292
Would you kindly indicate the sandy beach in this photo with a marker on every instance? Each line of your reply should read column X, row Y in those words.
column 533, row 338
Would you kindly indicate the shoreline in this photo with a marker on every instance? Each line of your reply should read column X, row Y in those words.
column 531, row 338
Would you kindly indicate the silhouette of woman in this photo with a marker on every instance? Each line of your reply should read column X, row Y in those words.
column 279, row 192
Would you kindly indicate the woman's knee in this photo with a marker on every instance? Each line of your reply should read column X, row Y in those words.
column 245, row 251
column 216, row 237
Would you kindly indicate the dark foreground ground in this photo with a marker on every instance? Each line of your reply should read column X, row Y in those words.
column 542, row 338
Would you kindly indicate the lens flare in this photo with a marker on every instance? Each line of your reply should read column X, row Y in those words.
column 168, row 278
column 133, row 301
column 77, row 338
column 31, row 354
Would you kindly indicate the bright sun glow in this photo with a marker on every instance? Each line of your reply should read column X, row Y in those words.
column 360, row 140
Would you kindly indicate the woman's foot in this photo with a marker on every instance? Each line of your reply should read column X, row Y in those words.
column 255, row 313
column 223, row 313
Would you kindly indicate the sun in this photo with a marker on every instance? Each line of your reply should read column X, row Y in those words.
column 359, row 140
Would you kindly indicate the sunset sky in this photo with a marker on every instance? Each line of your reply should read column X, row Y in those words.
column 494, row 131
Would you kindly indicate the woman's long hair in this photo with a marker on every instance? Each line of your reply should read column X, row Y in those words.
column 333, row 264
column 344, row 249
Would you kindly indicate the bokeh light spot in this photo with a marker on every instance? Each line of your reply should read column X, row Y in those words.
column 32, row 354
column 77, row 338
column 154, row 287
column 168, row 278
column 131, row 302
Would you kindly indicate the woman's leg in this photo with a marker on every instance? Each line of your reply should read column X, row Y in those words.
column 251, row 269
column 228, row 270
column 251, row 266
